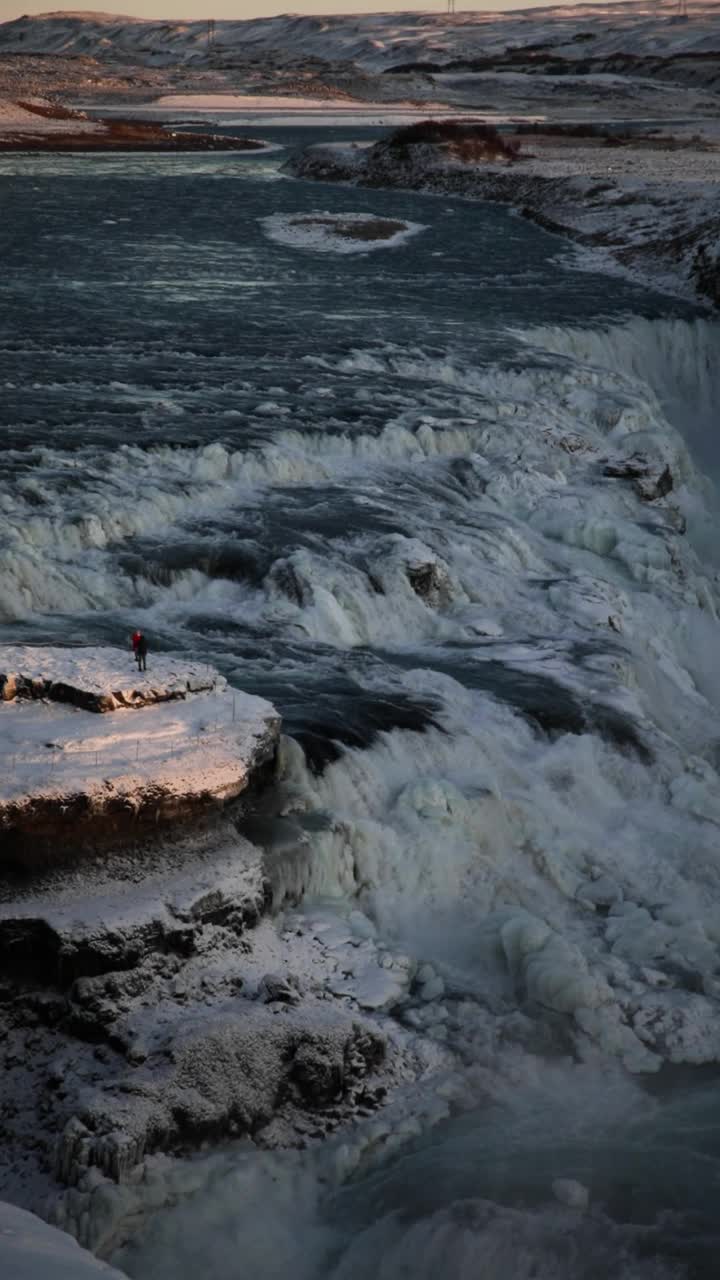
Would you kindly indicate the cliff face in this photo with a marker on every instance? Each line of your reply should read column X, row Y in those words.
column 94, row 753
column 148, row 1001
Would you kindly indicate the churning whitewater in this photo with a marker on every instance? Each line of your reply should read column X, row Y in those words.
column 451, row 508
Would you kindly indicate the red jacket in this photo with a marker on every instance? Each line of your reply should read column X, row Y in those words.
column 136, row 640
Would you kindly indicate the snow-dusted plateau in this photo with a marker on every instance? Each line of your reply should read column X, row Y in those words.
column 371, row 365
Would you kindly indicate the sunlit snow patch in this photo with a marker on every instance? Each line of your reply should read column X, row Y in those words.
column 338, row 232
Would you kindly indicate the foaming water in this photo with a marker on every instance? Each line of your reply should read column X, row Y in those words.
column 374, row 490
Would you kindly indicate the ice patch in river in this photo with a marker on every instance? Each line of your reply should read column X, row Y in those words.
column 338, row 233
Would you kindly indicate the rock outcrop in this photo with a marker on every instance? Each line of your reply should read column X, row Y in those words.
column 170, row 745
column 99, row 679
column 150, row 1009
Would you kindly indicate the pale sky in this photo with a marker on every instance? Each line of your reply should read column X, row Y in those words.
column 262, row 8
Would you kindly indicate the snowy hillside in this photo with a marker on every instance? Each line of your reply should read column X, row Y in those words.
column 644, row 28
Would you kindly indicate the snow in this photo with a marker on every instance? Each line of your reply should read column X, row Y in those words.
column 107, row 673
column 197, row 742
column 30, row 1249
column 323, row 231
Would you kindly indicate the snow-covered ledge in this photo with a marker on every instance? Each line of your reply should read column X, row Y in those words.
column 177, row 742
column 99, row 679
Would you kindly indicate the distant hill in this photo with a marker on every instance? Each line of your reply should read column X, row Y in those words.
column 378, row 42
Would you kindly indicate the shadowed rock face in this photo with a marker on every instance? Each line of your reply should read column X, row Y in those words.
column 135, row 1002
column 43, row 831
column 45, row 938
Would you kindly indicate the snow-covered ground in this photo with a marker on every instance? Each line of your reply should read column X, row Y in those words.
column 212, row 1018
column 180, row 747
column 107, row 675
column 257, row 105
column 159, row 741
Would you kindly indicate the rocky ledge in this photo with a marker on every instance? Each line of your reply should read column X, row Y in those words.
column 153, row 1004
column 93, row 753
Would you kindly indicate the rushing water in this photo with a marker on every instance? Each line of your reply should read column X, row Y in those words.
column 254, row 452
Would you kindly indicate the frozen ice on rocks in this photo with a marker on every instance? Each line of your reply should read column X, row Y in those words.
column 571, row 1193
column 31, row 1249
column 602, row 892
column 371, row 986
column 432, row 989
column 550, row 969
column 341, row 233
column 426, row 973
column 361, row 925
column 607, row 1028
column 679, row 1026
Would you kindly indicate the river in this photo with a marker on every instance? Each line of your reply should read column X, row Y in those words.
column 370, row 487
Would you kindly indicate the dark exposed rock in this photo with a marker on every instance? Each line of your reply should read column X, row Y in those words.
column 425, row 580
column 653, row 487
column 319, row 1078
column 632, row 468
column 274, row 987
column 649, row 484
column 284, row 577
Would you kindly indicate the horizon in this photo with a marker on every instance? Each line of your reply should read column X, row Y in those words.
column 226, row 10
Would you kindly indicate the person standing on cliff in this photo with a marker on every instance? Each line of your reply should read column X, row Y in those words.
column 140, row 645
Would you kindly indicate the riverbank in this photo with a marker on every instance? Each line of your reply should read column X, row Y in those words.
column 647, row 203
column 41, row 125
